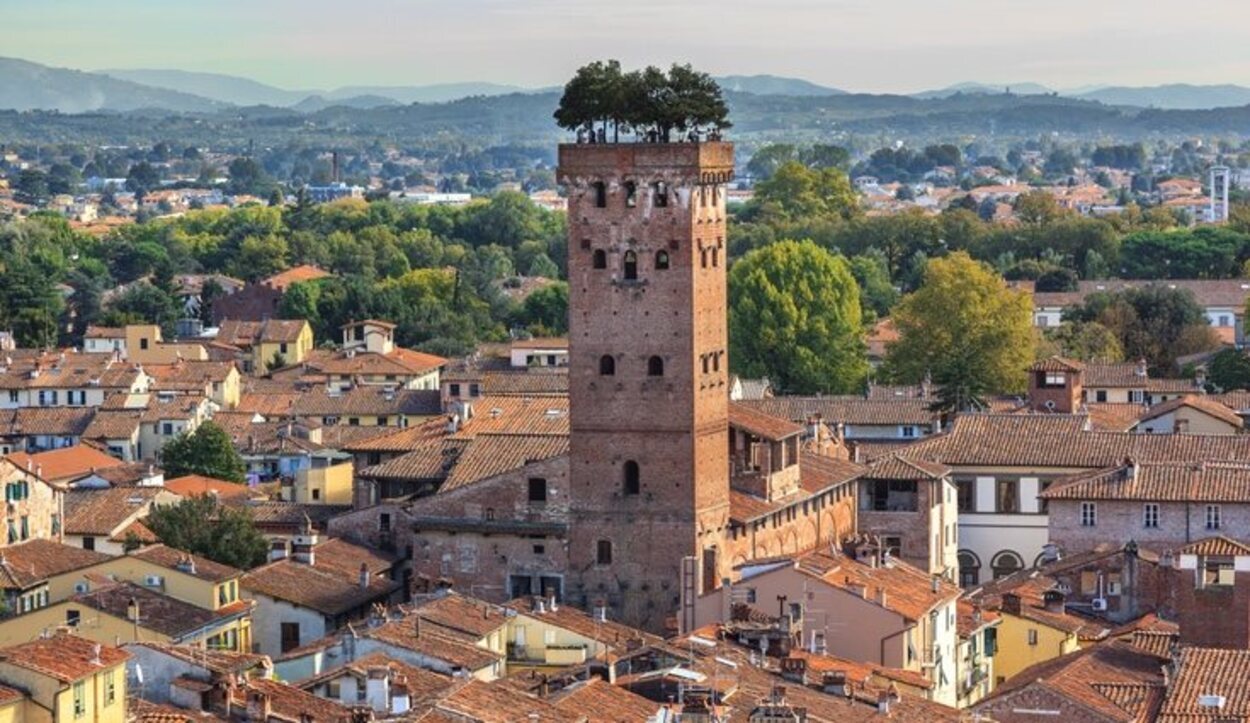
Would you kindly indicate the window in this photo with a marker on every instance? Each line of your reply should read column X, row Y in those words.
column 1150, row 515
column 1006, row 563
column 540, row 549
column 282, row 348
column 893, row 495
column 661, row 260
column 167, row 428
column 290, row 636
column 1100, row 395
column 1217, row 571
column 715, row 257
column 384, row 522
column 607, row 365
column 316, row 494
column 1213, row 517
column 655, row 367
column 1089, row 514
column 967, row 495
column 88, row 542
column 969, row 569
column 892, row 544
column 601, row 195
column 1054, row 379
column 631, row 266
column 537, row 489
column 633, row 479
column 475, row 390
column 1032, row 636
column 143, row 343
column 660, row 193
column 72, row 617
column 703, row 258
column 600, row 259
column 631, row 194
column 1043, row 504
column 1008, row 495
column 80, row 699
column 603, row 552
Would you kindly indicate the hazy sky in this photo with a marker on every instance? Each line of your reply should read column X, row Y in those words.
column 861, row 45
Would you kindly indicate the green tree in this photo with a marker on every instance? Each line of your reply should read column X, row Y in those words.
column 1155, row 323
column 795, row 191
column 207, row 451
column 1085, row 341
column 794, row 317
column 202, row 526
column 1229, row 369
column 876, row 294
column 276, row 362
column 965, row 328
column 546, row 311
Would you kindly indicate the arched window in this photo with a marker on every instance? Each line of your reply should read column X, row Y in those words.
column 607, row 365
column 715, row 257
column 1005, row 563
column 603, row 552
column 969, row 569
column 661, row 260
column 601, row 195
column 703, row 258
column 631, row 194
column 633, row 479
column 705, row 360
column 715, row 361
column 600, row 259
column 660, row 193
column 655, row 367
column 631, row 266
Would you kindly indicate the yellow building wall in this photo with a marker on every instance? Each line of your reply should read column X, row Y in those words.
column 333, row 485
column 177, row 585
column 98, row 708
column 93, row 625
column 296, row 351
column 230, row 390
column 14, row 711
column 1014, row 652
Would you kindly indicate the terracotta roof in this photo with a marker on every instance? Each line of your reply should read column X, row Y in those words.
column 274, row 513
column 293, row 275
column 31, row 562
column 517, row 415
column 541, row 343
column 1031, row 588
column 1202, row 404
column 160, row 613
column 168, row 558
column 461, row 614
column 1113, row 417
column 113, row 424
column 51, row 421
column 616, row 637
column 292, row 705
column 1201, row 672
column 268, row 404
column 135, row 531
column 63, row 656
column 402, row 440
column 433, row 642
column 899, row 466
column 1058, row 440
column 277, row 331
column 761, row 424
column 66, row 370
column 491, row 455
column 1117, row 375
column 101, row 512
column 1158, row 481
column 367, row 401
column 908, row 590
column 325, row 588
column 104, row 332
column 224, row 662
column 1057, row 364
column 544, row 381
column 1207, row 292
column 193, row 484
column 399, row 362
column 494, row 703
column 431, row 461
column 68, row 463
column 854, row 410
column 337, row 554
column 1218, row 546
column 859, row 671
column 188, row 375
column 601, row 701
column 1109, row 682
column 818, row 472
column 971, row 617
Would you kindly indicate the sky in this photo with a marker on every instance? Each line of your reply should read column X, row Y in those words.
column 857, row 45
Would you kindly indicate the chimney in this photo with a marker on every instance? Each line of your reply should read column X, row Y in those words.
column 132, row 610
column 364, row 576
column 1011, row 603
column 400, row 699
column 551, row 603
column 258, row 706
column 277, row 550
column 95, row 654
column 186, row 564
column 794, row 669
column 1140, row 370
column 378, row 688
column 881, row 596
column 883, row 703
column 1053, row 601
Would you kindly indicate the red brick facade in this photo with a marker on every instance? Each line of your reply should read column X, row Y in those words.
column 648, row 371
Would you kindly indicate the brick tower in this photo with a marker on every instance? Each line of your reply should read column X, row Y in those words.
column 649, row 466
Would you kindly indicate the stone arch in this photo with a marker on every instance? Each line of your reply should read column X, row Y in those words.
column 969, row 568
column 1006, row 562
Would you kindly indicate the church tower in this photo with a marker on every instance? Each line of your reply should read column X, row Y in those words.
column 648, row 375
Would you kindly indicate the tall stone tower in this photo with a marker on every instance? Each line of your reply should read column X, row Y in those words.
column 649, row 466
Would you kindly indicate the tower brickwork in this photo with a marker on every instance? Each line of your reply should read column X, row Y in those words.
column 648, row 373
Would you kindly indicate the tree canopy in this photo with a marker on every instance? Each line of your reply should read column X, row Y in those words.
column 207, row 451
column 1155, row 323
column 202, row 526
column 965, row 329
column 794, row 317
column 648, row 102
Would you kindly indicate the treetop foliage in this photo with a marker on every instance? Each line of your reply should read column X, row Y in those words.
column 647, row 102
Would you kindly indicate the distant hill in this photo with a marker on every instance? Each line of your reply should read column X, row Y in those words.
column 315, row 103
column 232, row 89
column 437, row 93
column 774, row 85
column 31, row 86
column 1179, row 96
column 984, row 89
